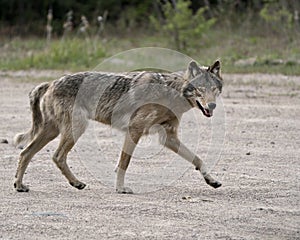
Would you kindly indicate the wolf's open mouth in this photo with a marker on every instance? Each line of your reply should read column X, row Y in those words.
column 206, row 112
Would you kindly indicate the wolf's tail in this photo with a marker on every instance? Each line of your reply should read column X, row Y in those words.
column 21, row 139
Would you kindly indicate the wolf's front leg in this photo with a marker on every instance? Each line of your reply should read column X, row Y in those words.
column 199, row 165
column 131, row 140
column 172, row 142
column 120, row 188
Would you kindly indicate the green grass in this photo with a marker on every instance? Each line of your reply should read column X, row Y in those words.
column 231, row 47
column 70, row 53
column 76, row 54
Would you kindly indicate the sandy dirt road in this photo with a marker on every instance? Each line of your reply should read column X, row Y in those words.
column 259, row 167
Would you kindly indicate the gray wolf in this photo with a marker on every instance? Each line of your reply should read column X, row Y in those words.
column 134, row 102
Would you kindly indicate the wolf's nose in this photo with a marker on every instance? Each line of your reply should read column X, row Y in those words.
column 212, row 106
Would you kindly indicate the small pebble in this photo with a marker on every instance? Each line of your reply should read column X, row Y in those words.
column 186, row 197
column 248, row 153
column 3, row 141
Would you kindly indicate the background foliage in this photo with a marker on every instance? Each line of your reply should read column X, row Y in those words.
column 25, row 17
column 248, row 35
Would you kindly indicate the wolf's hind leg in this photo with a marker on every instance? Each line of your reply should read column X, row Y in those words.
column 60, row 158
column 39, row 141
column 171, row 141
column 71, row 130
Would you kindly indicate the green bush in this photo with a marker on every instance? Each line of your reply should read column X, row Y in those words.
column 184, row 27
column 276, row 16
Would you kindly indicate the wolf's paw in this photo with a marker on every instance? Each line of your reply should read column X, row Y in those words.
column 124, row 190
column 21, row 187
column 78, row 185
column 214, row 183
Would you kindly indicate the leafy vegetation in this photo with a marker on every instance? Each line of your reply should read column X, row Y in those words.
column 248, row 36
column 182, row 24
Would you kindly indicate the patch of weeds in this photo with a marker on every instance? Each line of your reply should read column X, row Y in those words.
column 73, row 53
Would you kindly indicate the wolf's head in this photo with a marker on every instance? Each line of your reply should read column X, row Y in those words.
column 203, row 86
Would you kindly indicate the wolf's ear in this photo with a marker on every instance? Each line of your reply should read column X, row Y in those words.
column 193, row 70
column 215, row 68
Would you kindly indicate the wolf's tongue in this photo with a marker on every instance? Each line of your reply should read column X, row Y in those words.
column 205, row 111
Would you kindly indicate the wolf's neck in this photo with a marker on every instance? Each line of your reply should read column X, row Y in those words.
column 175, row 80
